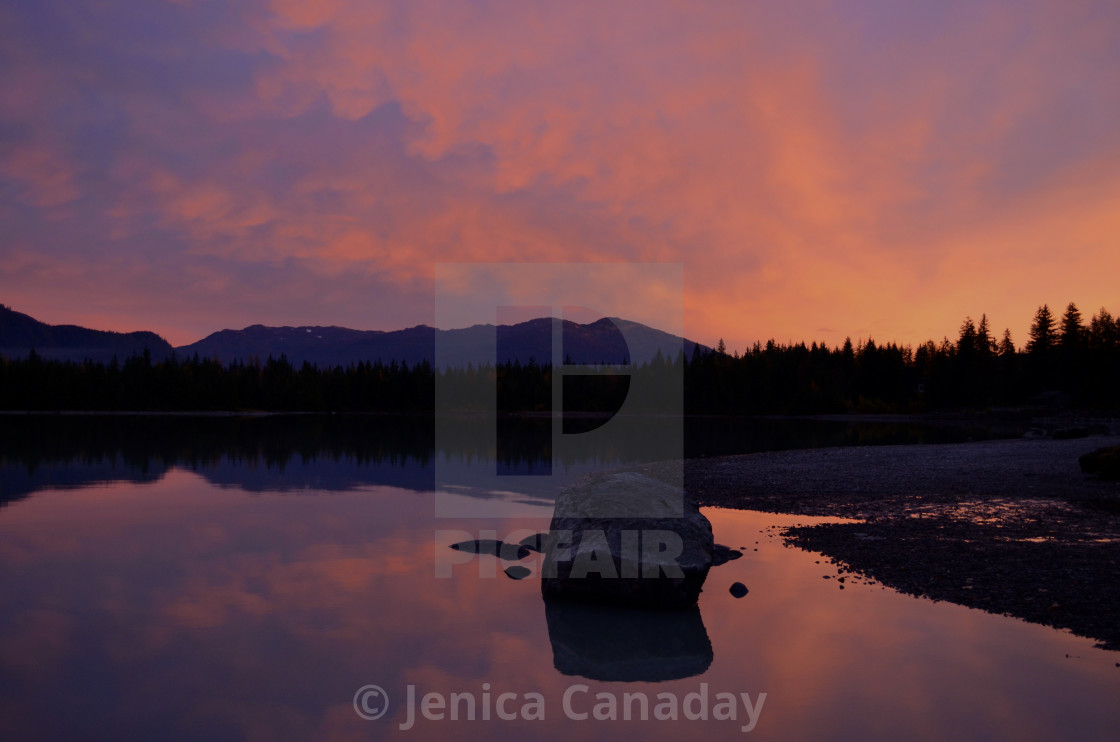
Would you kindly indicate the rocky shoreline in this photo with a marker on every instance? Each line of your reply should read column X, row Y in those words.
column 1007, row 526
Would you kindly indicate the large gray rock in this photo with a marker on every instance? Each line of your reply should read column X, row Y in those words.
column 627, row 539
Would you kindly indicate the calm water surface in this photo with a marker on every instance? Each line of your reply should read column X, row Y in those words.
column 196, row 594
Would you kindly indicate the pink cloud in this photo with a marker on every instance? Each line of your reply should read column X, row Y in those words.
column 811, row 168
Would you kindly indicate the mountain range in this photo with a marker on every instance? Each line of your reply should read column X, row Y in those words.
column 19, row 334
column 602, row 341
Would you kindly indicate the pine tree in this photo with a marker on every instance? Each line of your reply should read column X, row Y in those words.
column 966, row 344
column 1006, row 347
column 985, row 343
column 1072, row 330
column 1042, row 331
column 1104, row 332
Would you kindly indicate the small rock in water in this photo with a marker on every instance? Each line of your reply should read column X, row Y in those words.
column 738, row 590
column 500, row 549
column 517, row 572
column 723, row 554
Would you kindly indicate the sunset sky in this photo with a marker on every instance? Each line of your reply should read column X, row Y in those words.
column 820, row 169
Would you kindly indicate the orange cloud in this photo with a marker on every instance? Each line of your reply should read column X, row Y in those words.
column 819, row 172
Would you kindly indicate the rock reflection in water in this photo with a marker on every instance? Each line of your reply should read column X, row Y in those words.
column 613, row 643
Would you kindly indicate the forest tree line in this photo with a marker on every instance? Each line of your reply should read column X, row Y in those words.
column 1065, row 360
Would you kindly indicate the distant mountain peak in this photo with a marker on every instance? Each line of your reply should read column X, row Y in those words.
column 595, row 342
column 20, row 333
column 327, row 346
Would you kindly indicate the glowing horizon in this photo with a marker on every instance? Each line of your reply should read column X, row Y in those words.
column 821, row 172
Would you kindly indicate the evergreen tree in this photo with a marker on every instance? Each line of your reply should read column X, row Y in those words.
column 1104, row 332
column 1072, row 330
column 1042, row 331
column 985, row 343
column 1006, row 347
column 966, row 344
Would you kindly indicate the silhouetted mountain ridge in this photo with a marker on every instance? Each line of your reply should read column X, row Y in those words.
column 20, row 333
column 595, row 342
column 326, row 347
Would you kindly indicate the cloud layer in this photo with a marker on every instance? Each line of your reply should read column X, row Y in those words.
column 862, row 168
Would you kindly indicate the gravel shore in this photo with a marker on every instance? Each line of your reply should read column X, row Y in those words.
column 1007, row 526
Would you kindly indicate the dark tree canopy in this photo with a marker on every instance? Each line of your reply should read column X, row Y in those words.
column 768, row 378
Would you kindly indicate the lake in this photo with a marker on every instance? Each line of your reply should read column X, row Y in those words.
column 253, row 578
